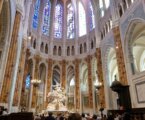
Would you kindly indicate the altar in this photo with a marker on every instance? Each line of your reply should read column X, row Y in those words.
column 57, row 100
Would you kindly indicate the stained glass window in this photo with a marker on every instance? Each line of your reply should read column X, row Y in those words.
column 36, row 14
column 70, row 21
column 46, row 18
column 58, row 21
column 91, row 16
column 28, row 81
column 82, row 20
column 101, row 7
column 107, row 3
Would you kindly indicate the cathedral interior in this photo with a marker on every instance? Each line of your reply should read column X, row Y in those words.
column 93, row 49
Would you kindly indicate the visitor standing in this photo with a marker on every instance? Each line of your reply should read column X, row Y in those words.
column 83, row 116
column 50, row 116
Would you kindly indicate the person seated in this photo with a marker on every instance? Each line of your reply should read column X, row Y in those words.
column 126, row 116
column 94, row 117
column 83, row 116
column 75, row 116
column 5, row 111
column 1, row 111
column 50, row 117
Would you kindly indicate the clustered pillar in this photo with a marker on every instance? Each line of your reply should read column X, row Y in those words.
column 36, row 76
column 63, row 80
column 26, row 69
column 20, row 74
column 100, row 79
column 90, row 84
column 120, row 57
column 7, row 82
column 49, row 79
column 77, row 85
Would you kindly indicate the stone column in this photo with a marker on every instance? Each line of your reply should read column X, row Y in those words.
column 7, row 81
column 1, row 5
column 49, row 78
column 20, row 73
column 77, row 85
column 26, row 69
column 119, row 56
column 63, row 79
column 101, row 93
column 90, row 84
column 36, row 76
column 27, row 13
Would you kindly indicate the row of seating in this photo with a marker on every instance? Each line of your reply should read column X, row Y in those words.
column 135, row 113
column 18, row 116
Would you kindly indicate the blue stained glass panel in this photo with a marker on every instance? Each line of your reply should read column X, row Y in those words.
column 58, row 21
column 70, row 22
column 28, row 81
column 82, row 20
column 36, row 15
column 46, row 18
column 91, row 16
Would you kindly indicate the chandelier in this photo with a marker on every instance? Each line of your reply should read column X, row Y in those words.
column 98, row 85
column 36, row 82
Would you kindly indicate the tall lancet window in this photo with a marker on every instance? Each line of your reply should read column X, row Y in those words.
column 36, row 14
column 70, row 21
column 82, row 20
column 91, row 16
column 46, row 18
column 107, row 3
column 101, row 8
column 58, row 20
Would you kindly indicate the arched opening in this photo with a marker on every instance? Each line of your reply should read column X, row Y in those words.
column 27, row 89
column 41, row 90
column 34, row 44
column 84, row 87
column 55, row 50
column 135, row 45
column 71, row 88
column 85, row 47
column 124, row 5
column 59, row 51
column 73, row 50
column 112, row 71
column 129, row 2
column 92, row 44
column 56, row 76
column 95, row 83
column 81, row 49
column 31, row 41
column 46, row 48
column 42, row 47
column 68, row 51
column 120, row 10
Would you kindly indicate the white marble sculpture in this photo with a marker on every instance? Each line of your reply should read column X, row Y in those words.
column 56, row 99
